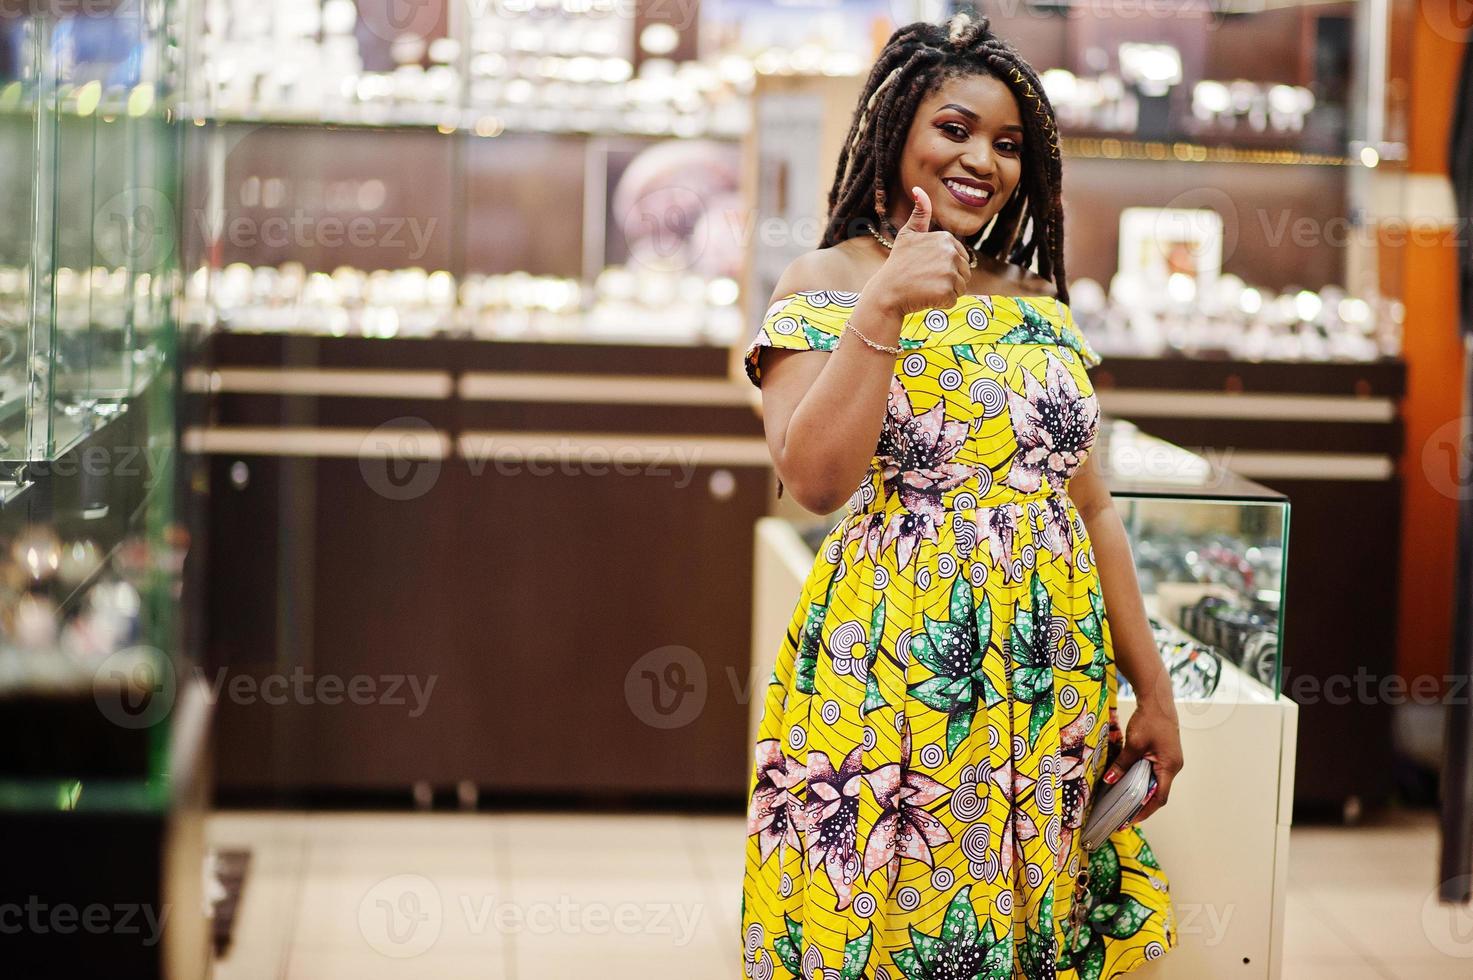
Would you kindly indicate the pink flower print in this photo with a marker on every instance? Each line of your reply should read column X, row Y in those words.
column 775, row 813
column 832, row 820
column 1054, row 427
column 904, row 829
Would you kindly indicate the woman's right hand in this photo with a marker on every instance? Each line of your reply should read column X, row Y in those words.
column 925, row 269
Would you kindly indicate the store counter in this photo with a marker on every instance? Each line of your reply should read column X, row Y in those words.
column 509, row 546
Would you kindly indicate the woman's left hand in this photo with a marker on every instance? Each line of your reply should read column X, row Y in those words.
column 1154, row 735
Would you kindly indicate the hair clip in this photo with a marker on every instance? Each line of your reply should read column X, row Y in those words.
column 1043, row 114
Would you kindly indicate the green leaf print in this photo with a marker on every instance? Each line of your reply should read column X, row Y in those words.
column 789, row 948
column 810, row 640
column 1038, row 938
column 1091, row 624
column 1038, row 329
column 1120, row 920
column 939, row 693
column 1033, row 672
column 1104, row 872
column 873, row 698
column 817, row 339
column 961, row 951
column 1111, row 914
column 965, row 352
column 960, row 922
column 952, row 650
column 961, row 600
column 911, row 343
column 856, row 955
column 958, row 727
column 1146, row 856
column 1092, row 963
column 1038, row 717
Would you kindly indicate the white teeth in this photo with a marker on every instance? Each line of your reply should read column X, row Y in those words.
column 966, row 190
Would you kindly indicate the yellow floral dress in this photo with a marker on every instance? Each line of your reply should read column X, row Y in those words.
column 943, row 703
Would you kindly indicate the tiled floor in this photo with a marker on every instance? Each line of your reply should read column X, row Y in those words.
column 551, row 896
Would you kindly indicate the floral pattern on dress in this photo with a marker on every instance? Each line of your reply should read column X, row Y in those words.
column 1054, row 426
column 943, row 700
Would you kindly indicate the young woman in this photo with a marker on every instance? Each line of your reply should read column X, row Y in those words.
column 943, row 704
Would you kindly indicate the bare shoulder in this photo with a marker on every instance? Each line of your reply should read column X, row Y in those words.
column 836, row 267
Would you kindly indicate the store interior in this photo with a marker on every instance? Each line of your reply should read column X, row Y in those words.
column 389, row 543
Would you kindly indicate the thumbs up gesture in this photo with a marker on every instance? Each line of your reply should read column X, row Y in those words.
column 925, row 268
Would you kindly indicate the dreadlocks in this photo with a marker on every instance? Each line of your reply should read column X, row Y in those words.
column 914, row 62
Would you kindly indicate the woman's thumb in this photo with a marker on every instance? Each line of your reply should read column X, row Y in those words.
column 1128, row 757
column 920, row 215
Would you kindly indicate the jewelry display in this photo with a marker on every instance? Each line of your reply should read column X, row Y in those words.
column 1232, row 319
column 630, row 303
column 1194, row 669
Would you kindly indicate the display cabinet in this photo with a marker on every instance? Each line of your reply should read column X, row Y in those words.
column 103, row 726
column 87, row 249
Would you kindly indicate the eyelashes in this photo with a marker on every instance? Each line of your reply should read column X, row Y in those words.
column 959, row 133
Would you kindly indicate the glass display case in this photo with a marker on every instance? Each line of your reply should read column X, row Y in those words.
column 1210, row 554
column 90, row 548
column 87, row 248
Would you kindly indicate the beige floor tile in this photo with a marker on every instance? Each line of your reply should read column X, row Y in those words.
column 433, row 965
column 1311, row 933
column 265, row 921
column 1427, row 967
column 619, row 957
column 353, row 912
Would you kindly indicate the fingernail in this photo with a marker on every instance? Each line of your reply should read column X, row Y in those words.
column 915, row 192
column 1112, row 775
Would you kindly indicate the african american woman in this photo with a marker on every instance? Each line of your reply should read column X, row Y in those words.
column 942, row 713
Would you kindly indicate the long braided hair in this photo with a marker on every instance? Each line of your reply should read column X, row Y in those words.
column 914, row 62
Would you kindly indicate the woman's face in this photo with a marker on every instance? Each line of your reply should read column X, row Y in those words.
column 964, row 149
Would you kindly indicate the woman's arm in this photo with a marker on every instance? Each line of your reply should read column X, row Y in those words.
column 823, row 412
column 1153, row 730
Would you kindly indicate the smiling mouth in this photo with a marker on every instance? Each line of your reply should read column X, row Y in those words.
column 974, row 197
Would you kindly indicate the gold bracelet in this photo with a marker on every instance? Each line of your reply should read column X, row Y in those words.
column 879, row 347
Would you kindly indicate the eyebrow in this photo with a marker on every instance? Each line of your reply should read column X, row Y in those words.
column 974, row 117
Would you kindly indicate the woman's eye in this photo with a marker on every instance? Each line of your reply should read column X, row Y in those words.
column 955, row 129
column 1008, row 146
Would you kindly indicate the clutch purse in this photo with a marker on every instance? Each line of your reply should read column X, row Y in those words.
column 1119, row 803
